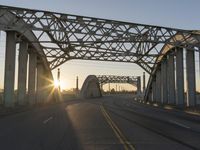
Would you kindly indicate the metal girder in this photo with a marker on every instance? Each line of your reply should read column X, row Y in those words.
column 64, row 37
column 104, row 79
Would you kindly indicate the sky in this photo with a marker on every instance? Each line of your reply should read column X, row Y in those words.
column 182, row 14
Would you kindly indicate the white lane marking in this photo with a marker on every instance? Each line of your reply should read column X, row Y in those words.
column 179, row 124
column 47, row 120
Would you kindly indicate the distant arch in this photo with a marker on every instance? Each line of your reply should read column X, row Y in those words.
column 90, row 88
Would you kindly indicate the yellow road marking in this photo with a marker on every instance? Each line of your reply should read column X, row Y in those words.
column 127, row 145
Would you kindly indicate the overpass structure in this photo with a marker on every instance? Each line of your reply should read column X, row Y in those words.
column 51, row 39
column 133, row 80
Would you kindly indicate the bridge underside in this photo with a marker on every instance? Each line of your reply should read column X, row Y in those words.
column 50, row 39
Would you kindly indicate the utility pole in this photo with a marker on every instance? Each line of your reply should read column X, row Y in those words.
column 58, row 78
column 77, row 84
column 101, row 85
column 138, row 85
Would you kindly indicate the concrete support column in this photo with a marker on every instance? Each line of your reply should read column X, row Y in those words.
column 144, row 83
column 153, row 91
column 179, row 77
column 158, row 86
column 171, row 79
column 150, row 95
column 164, row 90
column 191, row 82
column 9, row 78
column 31, row 78
column 48, row 87
column 22, row 72
column 40, row 83
column 45, row 87
column 199, row 63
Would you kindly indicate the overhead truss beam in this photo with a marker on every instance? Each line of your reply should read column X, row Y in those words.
column 104, row 79
column 64, row 37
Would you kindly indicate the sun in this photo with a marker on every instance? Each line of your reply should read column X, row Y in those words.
column 59, row 84
column 56, row 83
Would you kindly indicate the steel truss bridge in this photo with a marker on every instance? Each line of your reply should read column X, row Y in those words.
column 104, row 79
column 51, row 39
column 133, row 80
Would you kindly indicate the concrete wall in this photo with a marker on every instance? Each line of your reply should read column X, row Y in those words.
column 90, row 88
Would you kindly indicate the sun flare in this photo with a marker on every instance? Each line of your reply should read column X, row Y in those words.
column 61, row 84
column 56, row 83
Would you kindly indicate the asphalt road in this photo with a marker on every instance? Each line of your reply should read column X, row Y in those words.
column 109, row 123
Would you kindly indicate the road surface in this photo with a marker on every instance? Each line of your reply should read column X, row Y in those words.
column 109, row 123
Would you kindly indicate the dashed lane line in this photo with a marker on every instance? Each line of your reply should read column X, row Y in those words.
column 179, row 124
column 47, row 120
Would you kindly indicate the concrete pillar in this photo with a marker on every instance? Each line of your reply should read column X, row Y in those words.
column 179, row 77
column 150, row 96
column 144, row 82
column 9, row 78
column 40, row 83
column 153, row 91
column 158, row 86
column 138, row 85
column 47, row 87
column 171, row 79
column 164, row 90
column 191, row 82
column 22, row 72
column 199, row 63
column 31, row 78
